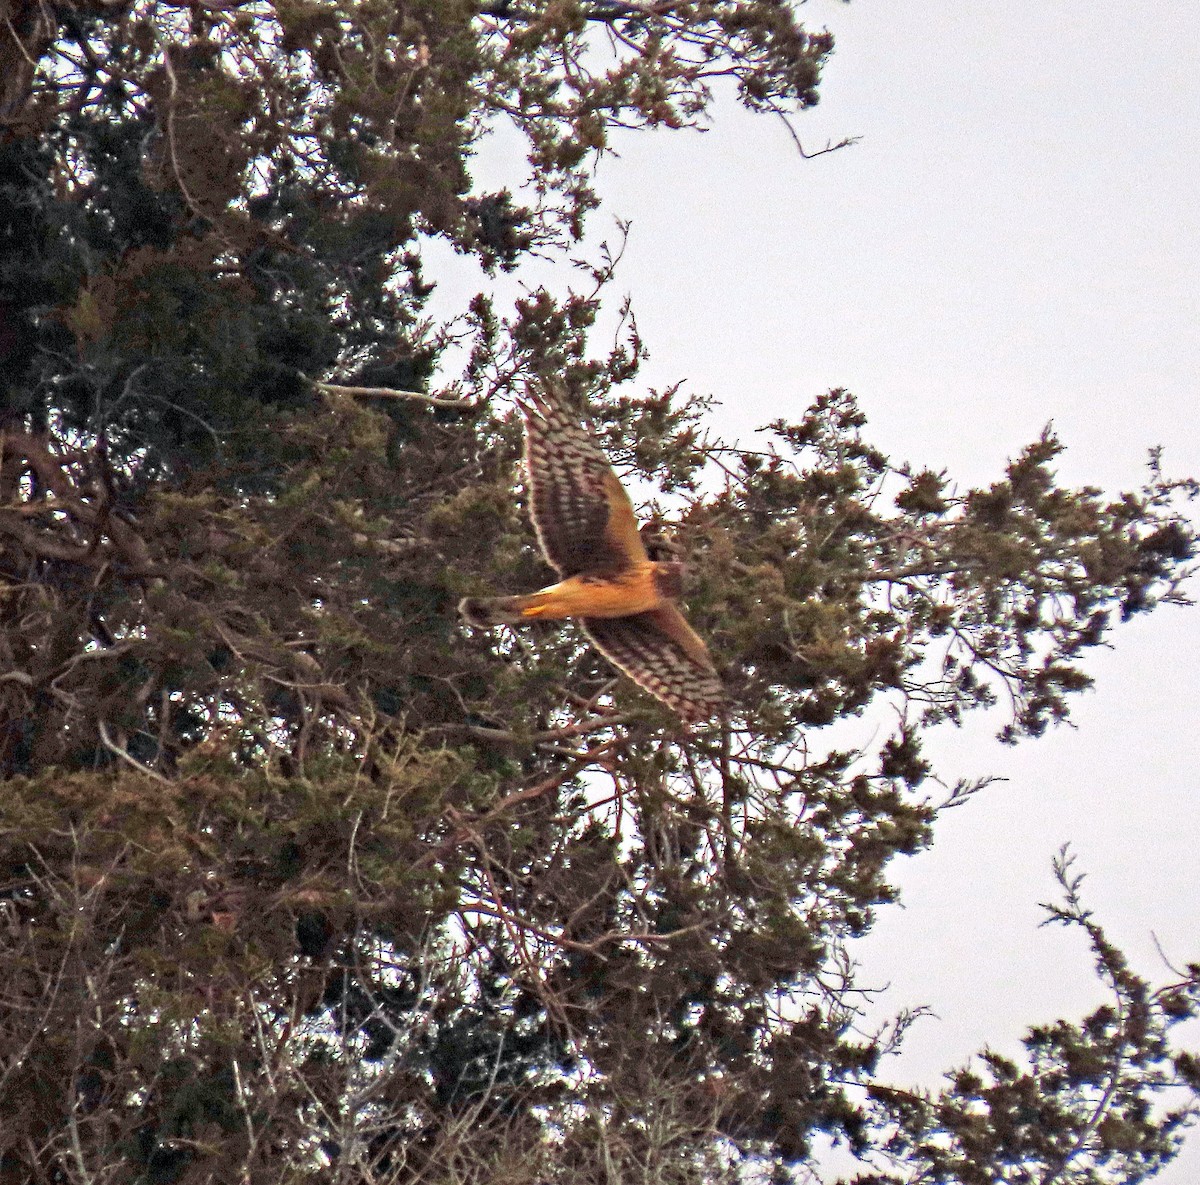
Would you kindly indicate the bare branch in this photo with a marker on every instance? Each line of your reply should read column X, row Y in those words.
column 392, row 393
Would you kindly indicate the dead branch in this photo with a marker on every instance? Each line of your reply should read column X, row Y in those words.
column 337, row 390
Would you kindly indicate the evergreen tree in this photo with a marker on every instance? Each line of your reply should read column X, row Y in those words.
column 300, row 879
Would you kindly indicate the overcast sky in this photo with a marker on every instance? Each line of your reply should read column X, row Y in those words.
column 1014, row 240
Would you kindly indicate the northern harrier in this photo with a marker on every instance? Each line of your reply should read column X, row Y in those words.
column 588, row 532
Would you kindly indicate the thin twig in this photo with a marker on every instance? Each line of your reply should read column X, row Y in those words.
column 128, row 757
column 845, row 142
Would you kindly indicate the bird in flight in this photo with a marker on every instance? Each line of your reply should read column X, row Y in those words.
column 624, row 600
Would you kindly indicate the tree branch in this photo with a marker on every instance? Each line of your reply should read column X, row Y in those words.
column 391, row 393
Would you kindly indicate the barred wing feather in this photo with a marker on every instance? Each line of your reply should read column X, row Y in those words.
column 581, row 512
column 659, row 651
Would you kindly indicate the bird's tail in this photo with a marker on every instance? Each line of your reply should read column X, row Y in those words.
column 489, row 611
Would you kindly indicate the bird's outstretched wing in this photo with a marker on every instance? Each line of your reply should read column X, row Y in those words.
column 581, row 512
column 659, row 651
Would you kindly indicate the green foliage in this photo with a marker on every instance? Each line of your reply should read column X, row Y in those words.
column 1087, row 1106
column 302, row 880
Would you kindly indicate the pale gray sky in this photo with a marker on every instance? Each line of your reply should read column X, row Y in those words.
column 1015, row 239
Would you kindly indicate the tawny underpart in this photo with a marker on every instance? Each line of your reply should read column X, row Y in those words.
column 621, row 594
